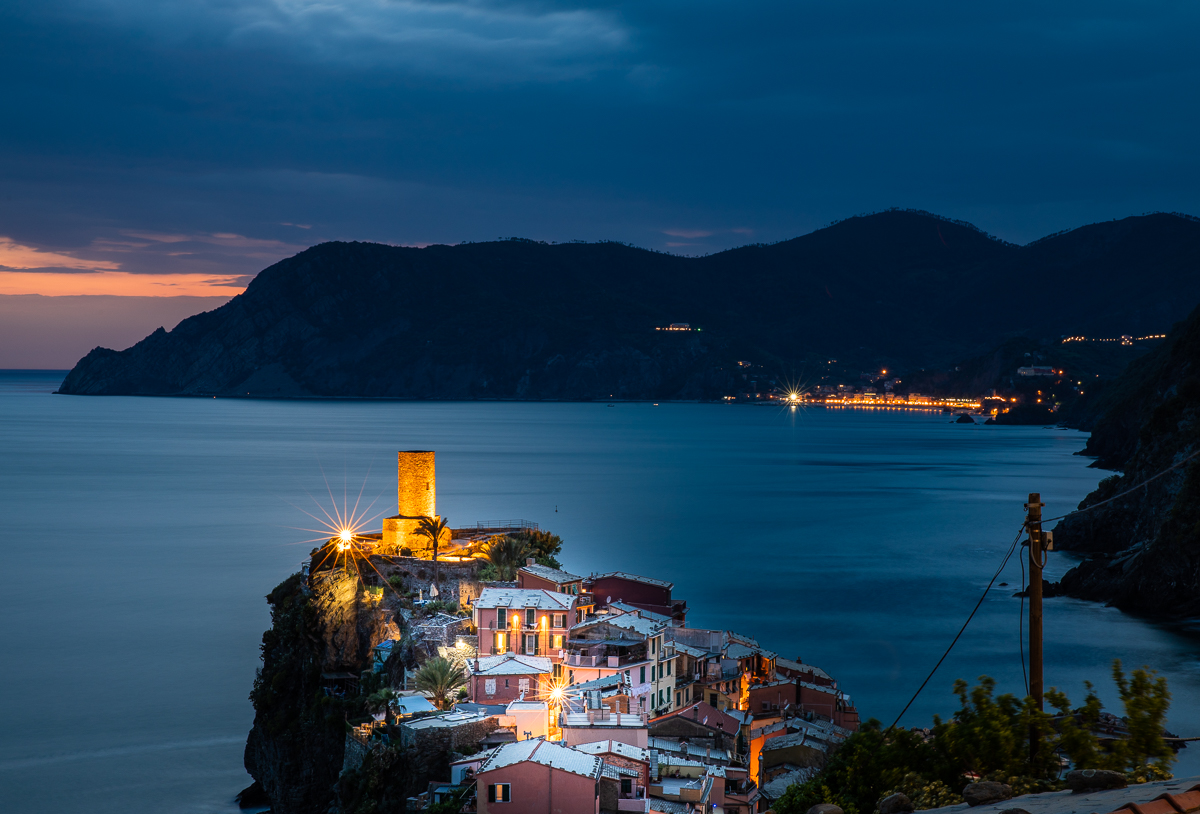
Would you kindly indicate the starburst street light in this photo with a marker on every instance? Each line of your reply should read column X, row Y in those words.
column 344, row 537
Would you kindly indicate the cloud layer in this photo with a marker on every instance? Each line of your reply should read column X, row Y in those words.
column 213, row 137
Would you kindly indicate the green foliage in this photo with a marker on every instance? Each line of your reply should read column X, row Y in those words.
column 384, row 782
column 441, row 606
column 989, row 737
column 488, row 573
column 543, row 546
column 439, row 679
column 506, row 554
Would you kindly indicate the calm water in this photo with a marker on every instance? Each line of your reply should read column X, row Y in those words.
column 140, row 536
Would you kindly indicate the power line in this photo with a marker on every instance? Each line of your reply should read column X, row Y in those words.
column 961, row 630
column 1127, row 491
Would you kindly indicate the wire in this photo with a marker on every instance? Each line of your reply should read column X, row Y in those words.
column 1127, row 491
column 961, row 630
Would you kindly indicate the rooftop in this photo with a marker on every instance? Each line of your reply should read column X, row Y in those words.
column 603, row 719
column 651, row 615
column 449, row 720
column 523, row 598
column 616, row 748
column 634, row 578
column 704, row 714
column 547, row 753
column 509, row 664
column 800, row 667
column 551, row 574
column 1066, row 802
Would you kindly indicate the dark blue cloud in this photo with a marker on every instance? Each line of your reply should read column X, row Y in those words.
column 425, row 121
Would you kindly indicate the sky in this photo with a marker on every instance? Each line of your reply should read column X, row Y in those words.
column 156, row 155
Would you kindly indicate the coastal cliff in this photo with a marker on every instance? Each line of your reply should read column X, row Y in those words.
column 295, row 749
column 1143, row 548
column 518, row 319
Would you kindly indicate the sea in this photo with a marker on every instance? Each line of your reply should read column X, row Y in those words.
column 139, row 537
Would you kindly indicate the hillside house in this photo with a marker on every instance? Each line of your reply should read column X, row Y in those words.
column 529, row 621
column 507, row 677
column 538, row 777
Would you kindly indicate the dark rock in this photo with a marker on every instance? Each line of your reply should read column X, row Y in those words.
column 1014, row 811
column 965, row 419
column 252, row 796
column 986, row 792
column 990, row 421
column 897, row 803
column 1082, row 781
column 825, row 808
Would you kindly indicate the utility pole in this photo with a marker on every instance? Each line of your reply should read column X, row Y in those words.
column 1033, row 524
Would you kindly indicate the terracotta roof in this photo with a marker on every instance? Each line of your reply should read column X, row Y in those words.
column 705, row 715
column 1187, row 801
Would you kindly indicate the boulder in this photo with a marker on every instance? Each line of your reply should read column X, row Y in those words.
column 1082, row 781
column 965, row 419
column 985, row 792
column 897, row 803
column 825, row 808
column 1014, row 811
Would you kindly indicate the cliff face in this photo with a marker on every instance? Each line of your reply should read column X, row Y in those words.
column 518, row 319
column 295, row 748
column 1144, row 547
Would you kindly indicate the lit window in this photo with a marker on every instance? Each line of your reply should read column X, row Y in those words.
column 499, row 642
column 558, row 641
column 499, row 793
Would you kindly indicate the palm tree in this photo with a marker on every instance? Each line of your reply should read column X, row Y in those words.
column 439, row 678
column 432, row 528
column 508, row 554
column 383, row 701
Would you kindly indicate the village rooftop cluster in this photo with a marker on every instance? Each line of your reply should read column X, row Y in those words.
column 592, row 694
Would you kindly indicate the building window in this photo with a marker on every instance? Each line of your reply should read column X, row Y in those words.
column 557, row 672
column 560, row 620
column 499, row 793
column 651, row 673
column 626, row 785
column 531, row 644
column 499, row 642
column 530, row 617
column 678, row 699
column 642, row 679
column 654, row 645
column 668, row 668
column 558, row 641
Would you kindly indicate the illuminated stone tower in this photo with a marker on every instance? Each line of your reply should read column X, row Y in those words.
column 416, row 484
column 416, row 497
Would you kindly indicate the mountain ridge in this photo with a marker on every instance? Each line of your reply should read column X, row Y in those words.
column 528, row 320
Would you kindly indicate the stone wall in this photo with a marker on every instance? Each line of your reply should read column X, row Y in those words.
column 457, row 580
column 449, row 738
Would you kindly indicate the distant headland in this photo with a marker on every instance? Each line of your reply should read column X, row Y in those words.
column 900, row 291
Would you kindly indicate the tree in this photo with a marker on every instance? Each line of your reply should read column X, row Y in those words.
column 439, row 678
column 507, row 554
column 431, row 528
column 543, row 546
column 383, row 701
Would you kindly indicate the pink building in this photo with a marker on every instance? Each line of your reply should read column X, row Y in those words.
column 528, row 621
column 539, row 777
column 504, row 678
column 545, row 578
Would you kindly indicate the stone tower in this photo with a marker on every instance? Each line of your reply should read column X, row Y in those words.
column 416, row 484
column 416, row 497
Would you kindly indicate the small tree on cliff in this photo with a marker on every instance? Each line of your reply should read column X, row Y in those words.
column 431, row 528
column 439, row 679
column 383, row 701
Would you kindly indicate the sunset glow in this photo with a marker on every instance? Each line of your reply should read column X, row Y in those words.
column 120, row 283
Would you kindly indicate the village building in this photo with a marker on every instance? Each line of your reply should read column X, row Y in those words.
column 538, row 777
column 529, row 621
column 507, row 677
column 544, row 578
column 634, row 760
column 647, row 593
column 628, row 644
column 594, row 725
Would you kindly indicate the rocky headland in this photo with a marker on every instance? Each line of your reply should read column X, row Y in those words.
column 1141, row 533
column 519, row 319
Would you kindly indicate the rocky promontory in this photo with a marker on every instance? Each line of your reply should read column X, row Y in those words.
column 1141, row 533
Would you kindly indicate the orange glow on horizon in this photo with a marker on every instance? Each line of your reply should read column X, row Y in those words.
column 119, row 283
